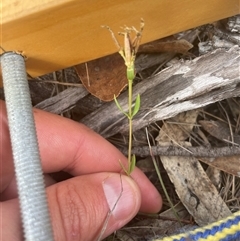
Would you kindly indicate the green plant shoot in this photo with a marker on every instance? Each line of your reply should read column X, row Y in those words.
column 128, row 52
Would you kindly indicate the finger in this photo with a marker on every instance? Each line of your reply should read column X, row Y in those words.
column 6, row 164
column 11, row 191
column 11, row 225
column 72, row 147
column 81, row 204
column 94, row 197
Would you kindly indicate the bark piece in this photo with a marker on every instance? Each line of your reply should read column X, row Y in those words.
column 63, row 101
column 184, row 86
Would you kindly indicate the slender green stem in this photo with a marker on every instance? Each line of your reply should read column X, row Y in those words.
column 130, row 98
column 130, row 123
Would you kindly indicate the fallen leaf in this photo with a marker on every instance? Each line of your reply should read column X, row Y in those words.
column 179, row 127
column 229, row 165
column 194, row 188
column 174, row 46
column 104, row 77
column 219, row 130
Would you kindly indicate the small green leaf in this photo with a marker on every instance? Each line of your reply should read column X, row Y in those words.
column 136, row 106
column 133, row 164
column 119, row 107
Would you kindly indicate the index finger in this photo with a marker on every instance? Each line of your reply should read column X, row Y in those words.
column 72, row 147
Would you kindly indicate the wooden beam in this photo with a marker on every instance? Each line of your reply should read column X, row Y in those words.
column 55, row 34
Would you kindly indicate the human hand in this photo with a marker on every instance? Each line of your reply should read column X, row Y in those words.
column 79, row 205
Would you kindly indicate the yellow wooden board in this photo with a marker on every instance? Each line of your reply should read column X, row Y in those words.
column 55, row 34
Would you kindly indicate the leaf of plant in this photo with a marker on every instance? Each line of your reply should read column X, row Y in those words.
column 136, row 106
column 133, row 164
column 119, row 107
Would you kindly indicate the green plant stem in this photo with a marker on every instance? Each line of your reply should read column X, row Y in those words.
column 130, row 123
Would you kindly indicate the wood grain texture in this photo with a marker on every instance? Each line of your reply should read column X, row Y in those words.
column 183, row 86
column 57, row 34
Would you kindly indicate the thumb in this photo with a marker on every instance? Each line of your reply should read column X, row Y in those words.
column 80, row 206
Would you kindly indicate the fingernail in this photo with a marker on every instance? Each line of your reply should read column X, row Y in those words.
column 122, row 196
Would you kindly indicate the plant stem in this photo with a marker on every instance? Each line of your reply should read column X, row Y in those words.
column 130, row 81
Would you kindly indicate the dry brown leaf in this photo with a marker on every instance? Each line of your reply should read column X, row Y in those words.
column 174, row 46
column 195, row 190
column 229, row 165
column 104, row 77
column 181, row 129
column 215, row 176
column 192, row 184
column 217, row 129
column 221, row 131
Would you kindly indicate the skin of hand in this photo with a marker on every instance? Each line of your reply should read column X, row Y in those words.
column 79, row 205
